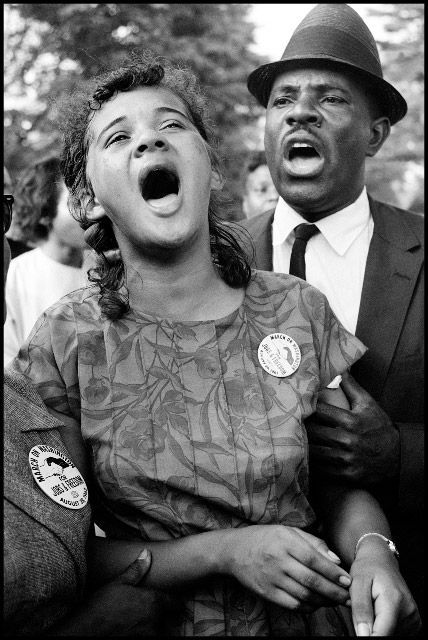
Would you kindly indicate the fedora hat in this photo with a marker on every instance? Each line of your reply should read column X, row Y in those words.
column 333, row 35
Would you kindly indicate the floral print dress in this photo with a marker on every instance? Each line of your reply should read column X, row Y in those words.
column 188, row 433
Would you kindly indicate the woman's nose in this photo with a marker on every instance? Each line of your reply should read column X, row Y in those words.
column 150, row 142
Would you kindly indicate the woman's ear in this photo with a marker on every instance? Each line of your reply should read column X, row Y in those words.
column 94, row 210
column 217, row 181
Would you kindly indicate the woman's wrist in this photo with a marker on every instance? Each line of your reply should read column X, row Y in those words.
column 375, row 544
column 223, row 557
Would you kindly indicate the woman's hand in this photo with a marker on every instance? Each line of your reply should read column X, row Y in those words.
column 382, row 604
column 287, row 566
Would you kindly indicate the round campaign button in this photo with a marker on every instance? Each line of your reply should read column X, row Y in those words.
column 58, row 477
column 279, row 355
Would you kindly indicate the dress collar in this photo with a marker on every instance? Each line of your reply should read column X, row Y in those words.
column 339, row 229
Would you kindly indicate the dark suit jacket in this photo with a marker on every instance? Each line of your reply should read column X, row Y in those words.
column 44, row 542
column 390, row 324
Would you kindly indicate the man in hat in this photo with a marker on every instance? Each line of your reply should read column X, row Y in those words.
column 328, row 109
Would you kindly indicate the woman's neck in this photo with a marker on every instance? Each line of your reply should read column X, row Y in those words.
column 188, row 292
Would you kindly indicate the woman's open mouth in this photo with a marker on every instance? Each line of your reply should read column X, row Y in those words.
column 160, row 187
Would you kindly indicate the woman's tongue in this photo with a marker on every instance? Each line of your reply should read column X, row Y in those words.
column 164, row 200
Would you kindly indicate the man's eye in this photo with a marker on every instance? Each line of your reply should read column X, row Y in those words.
column 116, row 138
column 281, row 101
column 333, row 100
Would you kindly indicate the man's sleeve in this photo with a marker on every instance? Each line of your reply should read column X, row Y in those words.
column 411, row 486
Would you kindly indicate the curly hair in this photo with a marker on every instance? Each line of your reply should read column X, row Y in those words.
column 37, row 193
column 74, row 117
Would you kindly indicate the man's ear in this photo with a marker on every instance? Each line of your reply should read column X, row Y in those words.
column 94, row 210
column 380, row 130
column 217, row 181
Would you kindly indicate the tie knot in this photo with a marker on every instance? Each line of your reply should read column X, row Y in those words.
column 305, row 231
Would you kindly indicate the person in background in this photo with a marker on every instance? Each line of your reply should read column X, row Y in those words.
column 16, row 246
column 259, row 191
column 183, row 379
column 56, row 267
column 46, row 591
column 328, row 110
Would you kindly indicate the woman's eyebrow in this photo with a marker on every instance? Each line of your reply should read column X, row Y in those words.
column 111, row 124
column 171, row 109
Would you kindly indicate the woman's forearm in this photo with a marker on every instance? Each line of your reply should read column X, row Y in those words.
column 347, row 514
column 174, row 562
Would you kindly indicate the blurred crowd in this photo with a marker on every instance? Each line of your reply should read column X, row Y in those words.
column 47, row 245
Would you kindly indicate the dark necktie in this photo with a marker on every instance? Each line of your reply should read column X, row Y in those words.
column 303, row 233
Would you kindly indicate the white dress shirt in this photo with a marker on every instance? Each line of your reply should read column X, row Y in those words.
column 335, row 258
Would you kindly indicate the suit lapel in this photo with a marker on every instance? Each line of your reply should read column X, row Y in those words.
column 260, row 229
column 389, row 281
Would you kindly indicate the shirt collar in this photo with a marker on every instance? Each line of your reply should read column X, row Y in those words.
column 339, row 229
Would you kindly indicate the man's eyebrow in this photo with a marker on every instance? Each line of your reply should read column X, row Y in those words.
column 331, row 87
column 294, row 88
column 111, row 124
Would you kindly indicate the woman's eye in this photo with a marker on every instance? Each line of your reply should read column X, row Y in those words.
column 173, row 124
column 116, row 138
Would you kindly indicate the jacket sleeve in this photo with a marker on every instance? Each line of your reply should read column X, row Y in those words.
column 411, row 485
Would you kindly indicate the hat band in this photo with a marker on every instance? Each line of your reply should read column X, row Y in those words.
column 330, row 43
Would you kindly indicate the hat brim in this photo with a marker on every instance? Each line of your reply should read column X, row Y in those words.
column 260, row 82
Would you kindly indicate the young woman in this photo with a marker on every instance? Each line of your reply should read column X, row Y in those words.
column 184, row 379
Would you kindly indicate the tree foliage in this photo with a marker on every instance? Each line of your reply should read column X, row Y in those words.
column 396, row 174
column 51, row 46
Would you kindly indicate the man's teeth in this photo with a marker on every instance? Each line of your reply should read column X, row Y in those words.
column 301, row 144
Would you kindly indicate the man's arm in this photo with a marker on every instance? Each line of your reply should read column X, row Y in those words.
column 360, row 445
column 411, row 478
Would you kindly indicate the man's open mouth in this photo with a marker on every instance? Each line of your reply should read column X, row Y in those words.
column 302, row 150
column 303, row 159
column 159, row 183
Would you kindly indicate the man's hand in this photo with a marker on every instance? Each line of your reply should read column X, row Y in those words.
column 120, row 608
column 361, row 445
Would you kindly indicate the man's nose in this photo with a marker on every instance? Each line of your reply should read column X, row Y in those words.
column 150, row 141
column 303, row 111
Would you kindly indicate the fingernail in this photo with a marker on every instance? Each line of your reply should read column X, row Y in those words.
column 143, row 555
column 334, row 556
column 363, row 629
column 345, row 581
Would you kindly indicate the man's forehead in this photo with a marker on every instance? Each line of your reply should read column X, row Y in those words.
column 315, row 76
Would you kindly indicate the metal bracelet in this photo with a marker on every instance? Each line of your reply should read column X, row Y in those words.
column 389, row 542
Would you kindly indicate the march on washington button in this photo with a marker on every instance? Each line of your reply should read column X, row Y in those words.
column 279, row 355
column 58, row 477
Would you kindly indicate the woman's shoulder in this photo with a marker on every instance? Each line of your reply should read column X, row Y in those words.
column 280, row 282
column 82, row 302
column 75, row 313
column 283, row 292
